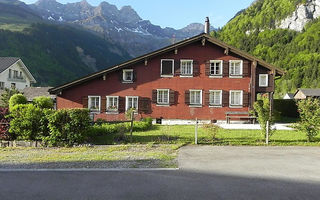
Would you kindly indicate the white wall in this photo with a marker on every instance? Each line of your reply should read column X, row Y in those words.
column 20, row 84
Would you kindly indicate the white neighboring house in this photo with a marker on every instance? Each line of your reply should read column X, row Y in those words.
column 14, row 74
column 288, row 96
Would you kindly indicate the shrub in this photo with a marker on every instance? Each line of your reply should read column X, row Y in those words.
column 17, row 99
column 43, row 102
column 309, row 117
column 68, row 127
column 28, row 122
column 6, row 95
column 4, row 124
column 212, row 131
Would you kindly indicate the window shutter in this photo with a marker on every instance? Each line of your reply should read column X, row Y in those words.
column 85, row 102
column 171, row 97
column 187, row 97
column 144, row 105
column 154, row 96
column 121, row 76
column 177, row 70
column 245, row 69
column 270, row 80
column 225, row 68
column 225, row 98
column 103, row 104
column 207, row 69
column 245, row 100
column 134, row 74
column 122, row 104
column 207, row 98
column 196, row 68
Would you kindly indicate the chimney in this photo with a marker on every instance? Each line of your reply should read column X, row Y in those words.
column 207, row 26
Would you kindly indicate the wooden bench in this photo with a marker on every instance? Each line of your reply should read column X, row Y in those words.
column 240, row 115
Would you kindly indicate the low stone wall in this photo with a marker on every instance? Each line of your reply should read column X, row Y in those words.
column 17, row 143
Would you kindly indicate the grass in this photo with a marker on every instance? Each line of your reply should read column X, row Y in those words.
column 185, row 135
column 165, row 155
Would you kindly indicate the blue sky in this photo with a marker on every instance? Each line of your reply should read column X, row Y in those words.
column 178, row 13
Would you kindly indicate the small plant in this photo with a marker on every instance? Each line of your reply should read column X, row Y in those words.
column 130, row 112
column 212, row 131
column 310, row 117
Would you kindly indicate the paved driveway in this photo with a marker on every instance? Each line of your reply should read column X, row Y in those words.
column 286, row 163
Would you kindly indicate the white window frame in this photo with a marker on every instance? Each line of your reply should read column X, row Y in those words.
column 241, row 98
column 221, row 65
column 89, row 103
column 163, row 90
column 127, row 102
column 123, row 75
column 211, row 92
column 107, row 104
column 241, row 69
column 186, row 75
column 2, row 85
column 195, row 104
column 166, row 75
column 267, row 80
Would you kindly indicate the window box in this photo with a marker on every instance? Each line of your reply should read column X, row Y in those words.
column 186, row 68
column 94, row 103
column 112, row 104
column 263, row 80
column 235, row 68
column 167, row 68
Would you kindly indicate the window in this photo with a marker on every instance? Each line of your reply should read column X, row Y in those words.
column 216, row 67
column 263, row 80
column 13, row 85
column 235, row 67
column 15, row 74
column 163, row 96
column 20, row 75
column 127, row 75
column 215, row 98
column 236, row 97
column 167, row 67
column 1, row 85
column 186, row 67
column 94, row 103
column 132, row 102
column 10, row 73
column 195, row 97
column 112, row 103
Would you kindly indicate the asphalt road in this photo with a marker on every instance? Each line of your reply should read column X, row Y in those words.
column 207, row 173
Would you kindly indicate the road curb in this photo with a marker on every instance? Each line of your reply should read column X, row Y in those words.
column 89, row 170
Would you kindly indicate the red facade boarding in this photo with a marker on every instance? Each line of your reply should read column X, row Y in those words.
column 204, row 83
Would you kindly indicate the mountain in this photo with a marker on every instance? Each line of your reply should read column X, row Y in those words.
column 123, row 26
column 285, row 33
column 54, row 53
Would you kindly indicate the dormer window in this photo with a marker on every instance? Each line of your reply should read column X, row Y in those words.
column 127, row 75
column 167, row 67
column 235, row 68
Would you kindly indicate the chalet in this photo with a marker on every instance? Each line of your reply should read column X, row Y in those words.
column 200, row 77
column 304, row 93
column 14, row 74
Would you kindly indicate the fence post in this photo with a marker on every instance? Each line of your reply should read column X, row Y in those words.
column 267, row 133
column 196, row 132
column 131, row 127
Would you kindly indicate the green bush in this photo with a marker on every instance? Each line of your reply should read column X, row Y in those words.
column 17, row 99
column 68, row 127
column 43, row 102
column 28, row 122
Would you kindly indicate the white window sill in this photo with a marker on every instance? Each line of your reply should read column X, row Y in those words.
column 215, row 76
column 128, row 82
column 235, row 76
column 163, row 105
column 235, row 106
column 195, row 106
column 263, row 86
column 112, row 112
column 186, row 76
column 215, row 106
column 94, row 112
column 166, row 76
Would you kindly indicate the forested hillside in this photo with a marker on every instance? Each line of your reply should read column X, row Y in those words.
column 256, row 30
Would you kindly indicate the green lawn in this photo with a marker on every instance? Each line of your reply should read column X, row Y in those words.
column 185, row 135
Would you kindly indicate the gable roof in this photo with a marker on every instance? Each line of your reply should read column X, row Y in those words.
column 6, row 62
column 32, row 92
column 290, row 95
column 182, row 43
column 309, row 92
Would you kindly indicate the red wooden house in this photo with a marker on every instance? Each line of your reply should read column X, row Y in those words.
column 200, row 77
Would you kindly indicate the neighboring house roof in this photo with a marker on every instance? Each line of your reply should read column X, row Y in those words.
column 309, row 92
column 32, row 92
column 289, row 95
column 6, row 62
column 202, row 37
